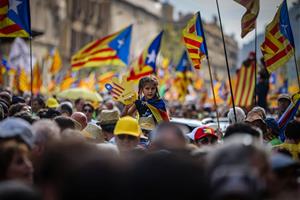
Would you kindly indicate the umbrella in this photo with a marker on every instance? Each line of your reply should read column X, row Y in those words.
column 75, row 93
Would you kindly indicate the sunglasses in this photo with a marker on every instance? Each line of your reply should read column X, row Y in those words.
column 87, row 110
column 207, row 140
column 129, row 137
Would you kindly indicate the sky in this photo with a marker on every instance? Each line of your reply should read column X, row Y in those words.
column 231, row 14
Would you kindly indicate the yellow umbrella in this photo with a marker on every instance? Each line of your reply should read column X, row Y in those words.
column 75, row 93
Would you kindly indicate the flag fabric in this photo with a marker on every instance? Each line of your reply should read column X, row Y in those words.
column 158, row 109
column 146, row 63
column 194, row 40
column 21, row 81
column 37, row 79
column 115, row 89
column 67, row 81
column 183, row 76
column 288, row 115
column 89, row 82
column 14, row 18
column 249, row 17
column 19, row 56
column 278, row 46
column 56, row 62
column 110, row 50
column 245, row 84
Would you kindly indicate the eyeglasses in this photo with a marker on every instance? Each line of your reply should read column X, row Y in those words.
column 207, row 140
column 87, row 110
column 129, row 137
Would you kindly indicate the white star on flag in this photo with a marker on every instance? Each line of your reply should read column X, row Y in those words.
column 184, row 62
column 151, row 57
column 120, row 43
column 13, row 5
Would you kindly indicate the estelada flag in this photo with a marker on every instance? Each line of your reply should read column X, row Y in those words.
column 278, row 46
column 194, row 40
column 245, row 83
column 112, row 50
column 56, row 62
column 249, row 17
column 14, row 18
column 146, row 63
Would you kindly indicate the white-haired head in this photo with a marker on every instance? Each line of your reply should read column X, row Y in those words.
column 240, row 115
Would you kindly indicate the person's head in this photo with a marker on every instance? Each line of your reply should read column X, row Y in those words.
column 240, row 115
column 77, row 170
column 107, row 120
column 80, row 118
column 45, row 131
column 173, row 175
column 16, row 140
column 168, row 135
column 127, row 133
column 79, row 104
column 147, row 124
column 88, row 110
column 15, row 190
column 66, row 123
column 272, row 129
column 27, row 116
column 148, row 87
column 17, row 99
column 65, row 109
column 283, row 102
column 292, row 131
column 256, row 119
column 241, row 128
column 109, row 104
column 238, row 168
column 18, row 108
column 6, row 96
column 93, row 133
column 203, row 136
column 37, row 104
column 259, row 110
column 52, row 103
column 48, row 113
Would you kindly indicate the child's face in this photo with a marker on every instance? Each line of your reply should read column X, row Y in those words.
column 149, row 91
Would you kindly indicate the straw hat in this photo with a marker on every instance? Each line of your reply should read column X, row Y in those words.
column 92, row 131
column 147, row 123
column 108, row 117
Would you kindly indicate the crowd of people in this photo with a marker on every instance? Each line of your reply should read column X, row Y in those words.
column 58, row 149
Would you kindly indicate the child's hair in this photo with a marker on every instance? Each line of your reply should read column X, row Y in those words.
column 146, row 80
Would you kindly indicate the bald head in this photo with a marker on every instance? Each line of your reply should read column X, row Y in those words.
column 80, row 118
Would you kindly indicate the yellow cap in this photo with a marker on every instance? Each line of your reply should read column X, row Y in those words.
column 127, row 125
column 52, row 103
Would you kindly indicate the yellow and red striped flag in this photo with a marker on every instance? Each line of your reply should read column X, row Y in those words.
column 193, row 37
column 278, row 46
column 249, row 17
column 21, row 80
column 245, row 83
column 110, row 50
column 14, row 18
column 37, row 78
column 56, row 62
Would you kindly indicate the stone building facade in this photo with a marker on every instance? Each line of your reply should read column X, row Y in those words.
column 70, row 24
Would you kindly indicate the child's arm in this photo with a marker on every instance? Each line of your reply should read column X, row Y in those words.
column 128, row 110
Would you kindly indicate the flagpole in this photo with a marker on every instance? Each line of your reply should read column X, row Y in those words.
column 31, row 71
column 226, row 59
column 297, row 71
column 210, row 76
column 255, row 64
